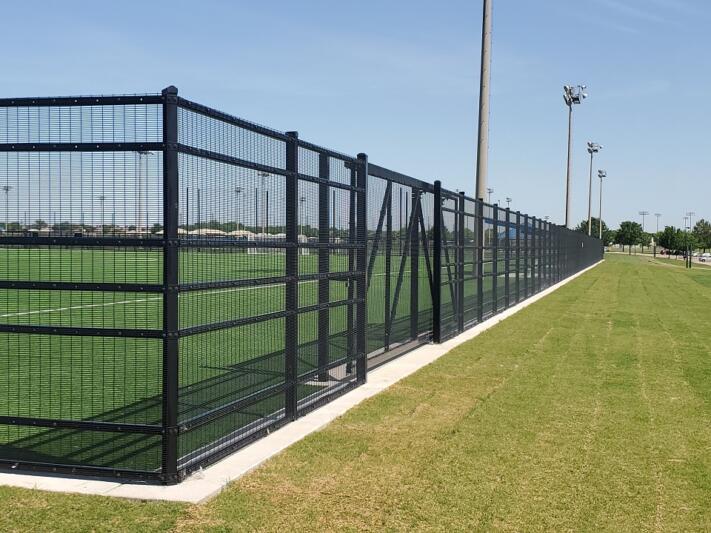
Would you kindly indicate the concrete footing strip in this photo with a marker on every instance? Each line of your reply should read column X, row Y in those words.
column 207, row 483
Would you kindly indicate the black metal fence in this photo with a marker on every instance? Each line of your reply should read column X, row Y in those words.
column 177, row 282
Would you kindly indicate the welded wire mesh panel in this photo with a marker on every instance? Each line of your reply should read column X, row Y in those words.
column 81, row 264
column 502, row 244
column 79, row 448
column 232, row 258
column 452, row 305
column 470, row 266
column 204, row 132
column 135, row 123
column 327, row 235
column 81, row 194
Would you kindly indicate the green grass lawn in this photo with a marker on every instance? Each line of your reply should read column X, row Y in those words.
column 589, row 410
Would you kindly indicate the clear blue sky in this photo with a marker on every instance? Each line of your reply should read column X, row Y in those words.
column 399, row 81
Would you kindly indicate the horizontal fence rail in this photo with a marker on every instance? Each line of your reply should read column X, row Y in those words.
column 177, row 282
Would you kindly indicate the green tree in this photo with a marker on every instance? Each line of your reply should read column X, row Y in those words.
column 702, row 234
column 608, row 236
column 668, row 238
column 629, row 234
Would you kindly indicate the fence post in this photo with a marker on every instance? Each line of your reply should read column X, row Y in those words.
column 414, row 264
column 495, row 260
column 526, row 248
column 460, row 261
column 437, row 265
column 170, row 285
column 362, row 260
column 535, row 241
column 518, row 256
column 324, row 328
column 291, row 326
column 352, row 240
column 507, row 259
column 388, row 264
column 541, row 253
column 480, row 260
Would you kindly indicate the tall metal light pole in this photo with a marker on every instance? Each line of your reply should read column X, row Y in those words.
column 302, row 201
column 593, row 148
column 658, row 215
column 572, row 96
column 643, row 214
column 6, row 189
column 691, row 216
column 265, row 201
column 489, row 191
column 601, row 174
column 102, row 199
column 238, row 194
column 139, row 218
column 688, row 224
column 482, row 156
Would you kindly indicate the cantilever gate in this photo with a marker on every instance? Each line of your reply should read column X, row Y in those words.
column 176, row 282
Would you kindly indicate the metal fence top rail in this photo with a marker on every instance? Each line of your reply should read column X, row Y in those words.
column 86, row 100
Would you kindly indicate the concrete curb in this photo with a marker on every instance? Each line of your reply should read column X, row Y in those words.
column 206, row 484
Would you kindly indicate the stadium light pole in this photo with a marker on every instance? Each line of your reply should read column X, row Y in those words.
column 658, row 215
column 102, row 199
column 593, row 148
column 572, row 96
column 265, row 200
column 238, row 194
column 643, row 214
column 302, row 201
column 489, row 191
column 141, row 155
column 687, row 226
column 601, row 174
column 6, row 189
column 482, row 164
column 691, row 215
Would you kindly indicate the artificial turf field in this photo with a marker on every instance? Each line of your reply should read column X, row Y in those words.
column 587, row 411
column 119, row 379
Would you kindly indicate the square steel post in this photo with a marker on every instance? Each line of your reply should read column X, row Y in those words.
column 526, row 246
column 480, row 260
column 324, row 328
column 352, row 241
column 541, row 250
column 388, row 264
column 507, row 259
column 414, row 266
column 362, row 260
column 518, row 256
column 460, row 261
column 170, row 285
column 291, row 321
column 437, row 265
column 495, row 260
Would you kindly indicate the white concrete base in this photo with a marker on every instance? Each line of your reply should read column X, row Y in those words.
column 205, row 484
